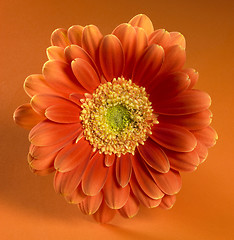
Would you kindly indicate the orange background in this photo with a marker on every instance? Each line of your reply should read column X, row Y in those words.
column 29, row 207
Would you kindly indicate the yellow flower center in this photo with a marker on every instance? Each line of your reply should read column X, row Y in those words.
column 117, row 117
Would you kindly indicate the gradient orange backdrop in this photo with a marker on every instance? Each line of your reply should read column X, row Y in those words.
column 29, row 207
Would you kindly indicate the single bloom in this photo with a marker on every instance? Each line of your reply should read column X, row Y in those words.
column 116, row 117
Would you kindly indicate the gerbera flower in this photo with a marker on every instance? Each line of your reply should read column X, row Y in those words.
column 116, row 117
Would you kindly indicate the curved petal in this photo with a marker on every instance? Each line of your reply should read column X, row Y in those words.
column 43, row 151
column 202, row 151
column 73, row 155
column 26, row 117
column 64, row 113
column 73, row 51
column 192, row 121
column 43, row 163
column 207, row 136
column 43, row 172
column 177, row 38
column 75, row 197
column 74, row 34
column 174, row 60
column 111, row 57
column 172, row 85
column 154, row 156
column 173, row 137
column 59, row 38
column 85, row 74
column 115, row 195
column 55, row 53
column 193, row 76
column 131, row 207
column 170, row 182
column 123, row 169
column 66, row 183
column 187, row 162
column 188, row 102
column 148, row 64
column 41, row 102
column 144, row 178
column 109, row 159
column 168, row 201
column 142, row 21
column 91, row 204
column 60, row 77
column 95, row 175
column 48, row 133
column 141, row 196
column 127, row 36
column 104, row 214
column 36, row 84
column 91, row 39
column 141, row 41
column 160, row 37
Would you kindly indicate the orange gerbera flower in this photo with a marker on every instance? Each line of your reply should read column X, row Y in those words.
column 116, row 117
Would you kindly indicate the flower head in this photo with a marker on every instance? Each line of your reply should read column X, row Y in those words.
column 116, row 117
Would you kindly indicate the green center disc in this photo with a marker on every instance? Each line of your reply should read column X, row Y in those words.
column 117, row 117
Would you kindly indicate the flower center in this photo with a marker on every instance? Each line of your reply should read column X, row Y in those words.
column 117, row 117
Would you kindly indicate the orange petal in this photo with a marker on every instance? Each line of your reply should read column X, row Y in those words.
column 76, row 97
column 170, row 182
column 43, row 172
column 169, row 87
column 59, row 76
column 207, row 136
column 104, row 214
column 65, row 113
column 48, row 133
column 43, row 163
column 174, row 60
column 111, row 57
column 73, row 51
column 160, row 37
column 142, row 21
column 193, row 76
column 76, row 197
column 192, row 121
column 141, row 196
column 188, row 102
column 91, row 204
column 26, row 117
column 202, row 151
column 123, row 169
column 55, row 53
column 73, row 155
column 168, row 201
column 109, row 159
column 187, row 162
column 85, row 74
column 90, row 41
column 173, row 137
column 154, row 156
column 66, row 183
column 144, row 178
column 127, row 36
column 95, row 175
column 177, row 38
column 36, row 84
column 131, row 208
column 148, row 64
column 115, row 195
column 141, row 41
column 41, row 102
column 74, row 34
column 40, row 152
column 59, row 38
